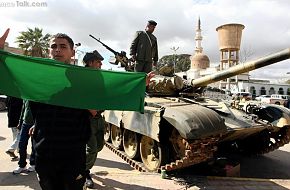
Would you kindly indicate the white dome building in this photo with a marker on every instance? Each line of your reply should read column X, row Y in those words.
column 199, row 61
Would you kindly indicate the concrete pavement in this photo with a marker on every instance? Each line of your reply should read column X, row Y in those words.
column 112, row 173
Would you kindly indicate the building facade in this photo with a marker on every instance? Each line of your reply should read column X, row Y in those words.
column 12, row 49
column 229, row 39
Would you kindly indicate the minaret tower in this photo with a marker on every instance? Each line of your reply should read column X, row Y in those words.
column 199, row 60
column 198, row 38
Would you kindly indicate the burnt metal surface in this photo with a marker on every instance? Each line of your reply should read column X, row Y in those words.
column 194, row 121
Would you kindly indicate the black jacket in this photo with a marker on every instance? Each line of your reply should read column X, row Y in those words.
column 14, row 106
column 60, row 136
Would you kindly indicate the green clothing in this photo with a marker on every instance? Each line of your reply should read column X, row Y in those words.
column 96, row 142
column 26, row 115
column 52, row 82
column 144, row 47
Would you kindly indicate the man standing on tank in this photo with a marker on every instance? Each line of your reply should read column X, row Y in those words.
column 144, row 48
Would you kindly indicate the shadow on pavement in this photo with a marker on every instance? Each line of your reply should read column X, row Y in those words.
column 222, row 183
column 268, row 166
column 111, row 184
column 22, row 180
column 113, row 164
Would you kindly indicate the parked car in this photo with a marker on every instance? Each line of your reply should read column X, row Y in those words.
column 278, row 99
column 259, row 98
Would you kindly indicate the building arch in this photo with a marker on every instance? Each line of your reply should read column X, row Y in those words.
column 288, row 91
column 281, row 91
column 262, row 91
column 253, row 90
column 272, row 91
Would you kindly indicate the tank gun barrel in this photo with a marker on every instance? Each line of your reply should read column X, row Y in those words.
column 242, row 68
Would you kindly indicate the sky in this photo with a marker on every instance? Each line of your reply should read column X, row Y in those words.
column 267, row 25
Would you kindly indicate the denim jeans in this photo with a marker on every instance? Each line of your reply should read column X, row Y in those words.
column 23, row 141
column 16, row 136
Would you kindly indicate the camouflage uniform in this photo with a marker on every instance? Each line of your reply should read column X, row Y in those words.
column 96, row 142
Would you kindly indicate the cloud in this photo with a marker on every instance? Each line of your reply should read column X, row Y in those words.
column 267, row 26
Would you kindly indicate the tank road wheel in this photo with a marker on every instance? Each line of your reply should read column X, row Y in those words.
column 116, row 137
column 131, row 144
column 152, row 155
column 178, row 144
column 107, row 133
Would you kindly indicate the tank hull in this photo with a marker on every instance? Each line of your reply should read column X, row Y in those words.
column 192, row 121
column 188, row 132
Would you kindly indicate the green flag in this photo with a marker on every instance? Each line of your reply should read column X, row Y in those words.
column 52, row 82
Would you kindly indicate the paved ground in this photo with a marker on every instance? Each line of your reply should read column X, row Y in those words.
column 112, row 173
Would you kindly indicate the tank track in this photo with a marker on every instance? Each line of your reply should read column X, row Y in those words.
column 133, row 163
column 279, row 139
column 261, row 143
column 196, row 152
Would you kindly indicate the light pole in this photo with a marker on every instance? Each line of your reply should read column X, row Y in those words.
column 76, row 49
column 174, row 61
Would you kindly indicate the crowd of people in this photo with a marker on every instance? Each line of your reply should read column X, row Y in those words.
column 65, row 141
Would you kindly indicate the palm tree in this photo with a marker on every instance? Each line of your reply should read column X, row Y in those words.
column 33, row 42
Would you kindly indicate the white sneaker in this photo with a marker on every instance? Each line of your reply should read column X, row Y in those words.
column 31, row 168
column 19, row 170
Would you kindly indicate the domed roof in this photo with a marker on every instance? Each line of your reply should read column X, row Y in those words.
column 200, row 61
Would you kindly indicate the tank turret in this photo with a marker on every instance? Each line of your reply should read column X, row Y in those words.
column 166, row 84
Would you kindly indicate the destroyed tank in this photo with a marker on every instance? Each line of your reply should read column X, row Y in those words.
column 181, row 127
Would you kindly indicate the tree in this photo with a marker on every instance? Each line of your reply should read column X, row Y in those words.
column 182, row 62
column 245, row 54
column 33, row 42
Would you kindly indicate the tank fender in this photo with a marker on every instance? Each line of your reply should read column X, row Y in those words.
column 194, row 121
column 113, row 117
column 277, row 115
column 146, row 123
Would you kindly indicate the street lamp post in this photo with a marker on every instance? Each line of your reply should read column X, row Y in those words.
column 174, row 55
column 77, row 45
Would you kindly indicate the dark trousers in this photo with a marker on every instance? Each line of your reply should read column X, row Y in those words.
column 143, row 66
column 60, row 180
column 23, row 141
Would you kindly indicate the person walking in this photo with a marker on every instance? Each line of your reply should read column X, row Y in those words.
column 26, row 121
column 144, row 49
column 14, row 106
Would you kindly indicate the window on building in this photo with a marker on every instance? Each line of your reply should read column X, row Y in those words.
column 281, row 91
column 253, row 90
column 263, row 91
column 271, row 91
